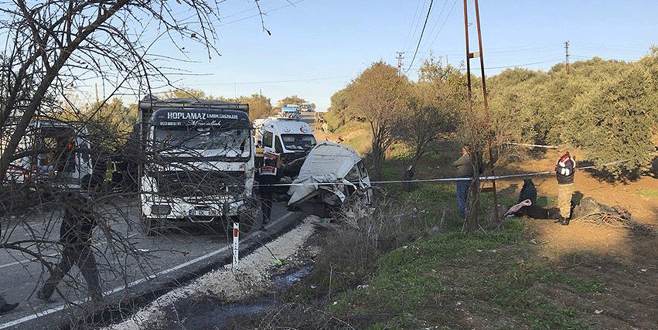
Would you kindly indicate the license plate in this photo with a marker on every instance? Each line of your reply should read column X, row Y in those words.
column 268, row 170
column 203, row 213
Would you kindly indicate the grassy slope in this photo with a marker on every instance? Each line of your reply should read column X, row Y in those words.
column 489, row 279
column 485, row 280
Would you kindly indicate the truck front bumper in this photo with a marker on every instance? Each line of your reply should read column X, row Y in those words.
column 173, row 209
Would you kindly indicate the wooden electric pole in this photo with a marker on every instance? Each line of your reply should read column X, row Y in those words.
column 488, row 132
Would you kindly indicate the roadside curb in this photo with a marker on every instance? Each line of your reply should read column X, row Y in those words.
column 254, row 239
column 118, row 305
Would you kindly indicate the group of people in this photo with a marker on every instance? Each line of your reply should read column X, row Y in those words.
column 564, row 172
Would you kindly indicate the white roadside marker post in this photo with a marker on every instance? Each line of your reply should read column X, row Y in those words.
column 236, row 240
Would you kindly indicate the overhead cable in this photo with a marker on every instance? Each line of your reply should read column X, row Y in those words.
column 421, row 34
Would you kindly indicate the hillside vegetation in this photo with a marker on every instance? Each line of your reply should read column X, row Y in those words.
column 415, row 268
column 607, row 109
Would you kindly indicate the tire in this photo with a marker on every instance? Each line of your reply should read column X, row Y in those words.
column 152, row 226
column 218, row 225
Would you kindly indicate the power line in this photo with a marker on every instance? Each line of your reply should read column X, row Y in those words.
column 429, row 48
column 421, row 34
column 272, row 81
column 557, row 60
column 263, row 13
column 414, row 24
column 553, row 60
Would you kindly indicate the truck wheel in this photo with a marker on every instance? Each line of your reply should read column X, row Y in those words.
column 151, row 226
column 218, row 225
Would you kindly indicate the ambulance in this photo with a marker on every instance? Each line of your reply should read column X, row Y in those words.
column 289, row 138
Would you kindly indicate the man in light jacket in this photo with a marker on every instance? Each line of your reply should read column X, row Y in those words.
column 464, row 170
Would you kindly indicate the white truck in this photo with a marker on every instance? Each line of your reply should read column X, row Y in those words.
column 198, row 165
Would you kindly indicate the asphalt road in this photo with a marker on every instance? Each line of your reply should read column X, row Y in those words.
column 161, row 263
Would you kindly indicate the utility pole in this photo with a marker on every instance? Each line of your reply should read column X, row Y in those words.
column 400, row 58
column 566, row 48
column 489, row 134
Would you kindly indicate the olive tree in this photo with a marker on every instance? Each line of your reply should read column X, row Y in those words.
column 379, row 95
column 614, row 123
column 434, row 103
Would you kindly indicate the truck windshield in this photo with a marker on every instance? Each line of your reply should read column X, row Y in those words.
column 234, row 143
column 298, row 141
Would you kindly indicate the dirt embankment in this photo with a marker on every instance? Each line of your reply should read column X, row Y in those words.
column 624, row 260
column 585, row 235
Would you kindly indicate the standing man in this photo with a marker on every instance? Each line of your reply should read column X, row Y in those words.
column 260, row 153
column 75, row 236
column 267, row 175
column 464, row 170
column 564, row 170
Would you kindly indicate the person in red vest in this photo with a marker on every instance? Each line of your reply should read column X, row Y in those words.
column 564, row 172
column 267, row 176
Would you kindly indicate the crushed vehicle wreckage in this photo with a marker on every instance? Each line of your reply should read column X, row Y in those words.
column 332, row 175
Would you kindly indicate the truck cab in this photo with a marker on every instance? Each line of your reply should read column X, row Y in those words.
column 198, row 166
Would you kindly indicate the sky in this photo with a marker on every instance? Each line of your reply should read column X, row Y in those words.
column 317, row 47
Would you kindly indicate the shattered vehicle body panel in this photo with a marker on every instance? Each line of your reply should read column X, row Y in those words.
column 332, row 175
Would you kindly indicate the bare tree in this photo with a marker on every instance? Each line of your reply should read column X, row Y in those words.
column 490, row 139
column 54, row 48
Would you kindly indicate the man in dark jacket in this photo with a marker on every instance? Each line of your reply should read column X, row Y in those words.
column 267, row 175
column 564, row 172
column 465, row 172
column 75, row 237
